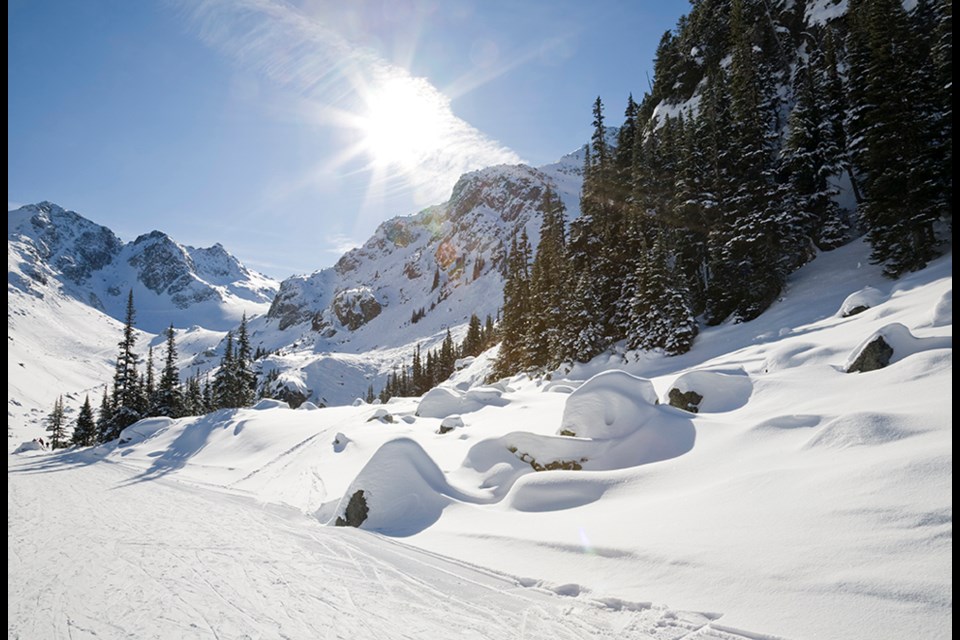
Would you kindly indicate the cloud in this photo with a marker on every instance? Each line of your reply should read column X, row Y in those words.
column 339, row 244
column 336, row 79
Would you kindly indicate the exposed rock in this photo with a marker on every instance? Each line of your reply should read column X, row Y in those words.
column 854, row 311
column 450, row 423
column 689, row 401
column 356, row 511
column 293, row 397
column 356, row 307
column 875, row 355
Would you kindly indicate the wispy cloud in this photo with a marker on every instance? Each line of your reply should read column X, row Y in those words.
column 339, row 244
column 336, row 80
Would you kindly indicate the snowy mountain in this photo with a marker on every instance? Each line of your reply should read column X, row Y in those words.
column 67, row 285
column 51, row 250
column 443, row 263
column 793, row 497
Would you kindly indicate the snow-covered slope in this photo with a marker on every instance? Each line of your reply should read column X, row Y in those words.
column 444, row 262
column 801, row 501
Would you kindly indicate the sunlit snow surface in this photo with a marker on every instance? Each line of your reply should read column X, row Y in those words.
column 800, row 502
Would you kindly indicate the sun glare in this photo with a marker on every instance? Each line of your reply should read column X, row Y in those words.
column 403, row 122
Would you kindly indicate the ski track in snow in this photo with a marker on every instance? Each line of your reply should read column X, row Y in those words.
column 174, row 560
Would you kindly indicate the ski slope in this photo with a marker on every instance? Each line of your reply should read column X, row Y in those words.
column 97, row 551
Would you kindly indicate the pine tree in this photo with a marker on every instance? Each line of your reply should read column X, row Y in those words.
column 56, row 425
column 128, row 401
column 225, row 380
column 809, row 157
column 85, row 429
column 246, row 379
column 150, row 383
column 170, row 400
column 105, row 418
column 547, row 288
column 512, row 356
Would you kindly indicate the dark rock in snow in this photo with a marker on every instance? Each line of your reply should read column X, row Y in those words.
column 875, row 355
column 356, row 511
column 689, row 401
column 854, row 311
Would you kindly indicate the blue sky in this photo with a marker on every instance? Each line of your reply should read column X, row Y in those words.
column 289, row 131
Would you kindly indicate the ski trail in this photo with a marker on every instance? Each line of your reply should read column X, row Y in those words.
column 91, row 554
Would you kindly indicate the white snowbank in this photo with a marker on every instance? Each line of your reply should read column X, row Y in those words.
column 903, row 342
column 721, row 391
column 403, row 489
column 868, row 297
column 943, row 312
column 441, row 402
column 612, row 404
column 270, row 403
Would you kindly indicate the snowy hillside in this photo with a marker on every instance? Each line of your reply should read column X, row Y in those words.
column 797, row 501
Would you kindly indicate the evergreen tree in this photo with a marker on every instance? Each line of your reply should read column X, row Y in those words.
column 128, row 402
column 150, row 382
column 225, row 380
column 170, row 401
column 56, row 425
column 548, row 276
column 193, row 404
column 246, row 379
column 512, row 356
column 85, row 429
column 809, row 156
column 105, row 419
column 473, row 341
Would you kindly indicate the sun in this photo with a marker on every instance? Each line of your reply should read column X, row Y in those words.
column 403, row 122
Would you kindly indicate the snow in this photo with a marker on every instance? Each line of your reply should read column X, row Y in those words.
column 800, row 502
column 612, row 404
column 902, row 341
column 860, row 300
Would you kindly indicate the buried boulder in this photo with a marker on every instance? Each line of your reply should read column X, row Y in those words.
column 710, row 391
column 611, row 404
column 399, row 492
column 874, row 355
column 860, row 301
column 356, row 511
column 889, row 344
column 686, row 400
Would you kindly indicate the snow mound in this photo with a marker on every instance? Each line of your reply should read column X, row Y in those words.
column 560, row 386
column 441, row 402
column 144, row 430
column 359, row 402
column 307, row 406
column 556, row 491
column 450, row 423
column 622, row 402
column 270, row 403
column 859, row 429
column 860, row 301
column 721, row 391
column 943, row 311
column 903, row 342
column 29, row 445
column 403, row 488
